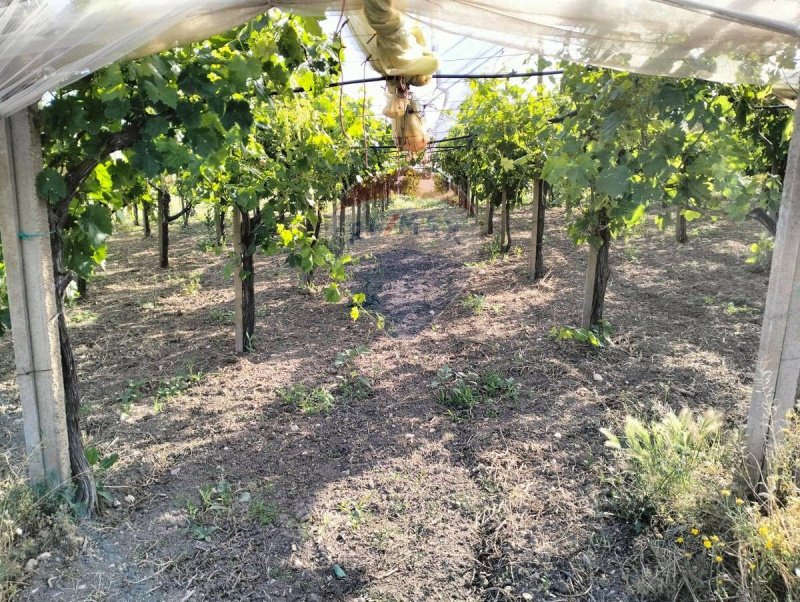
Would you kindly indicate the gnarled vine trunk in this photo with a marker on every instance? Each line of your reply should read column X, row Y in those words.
column 597, row 273
column 505, row 222
column 245, row 310
column 342, row 219
column 163, row 228
column 86, row 491
column 536, row 265
column 489, row 225
column 146, row 219
column 681, row 235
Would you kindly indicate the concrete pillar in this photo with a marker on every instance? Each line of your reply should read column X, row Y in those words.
column 778, row 364
column 24, row 230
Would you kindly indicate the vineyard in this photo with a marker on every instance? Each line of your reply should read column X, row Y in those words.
column 261, row 339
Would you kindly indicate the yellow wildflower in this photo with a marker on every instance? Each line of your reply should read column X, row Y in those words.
column 718, row 558
column 714, row 538
column 739, row 501
column 763, row 531
column 726, row 492
column 679, row 540
column 768, row 544
column 706, row 543
column 695, row 531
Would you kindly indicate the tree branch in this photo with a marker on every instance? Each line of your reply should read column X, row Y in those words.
column 77, row 175
column 180, row 214
column 764, row 218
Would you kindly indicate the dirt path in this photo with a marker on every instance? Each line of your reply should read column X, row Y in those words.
column 234, row 494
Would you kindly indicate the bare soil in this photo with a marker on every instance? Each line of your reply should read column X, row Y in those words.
column 409, row 501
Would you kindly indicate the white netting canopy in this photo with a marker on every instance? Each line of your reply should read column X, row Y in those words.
column 45, row 44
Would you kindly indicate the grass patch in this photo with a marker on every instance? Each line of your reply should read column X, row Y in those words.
column 475, row 303
column 314, row 401
column 33, row 524
column 677, row 481
column 464, row 394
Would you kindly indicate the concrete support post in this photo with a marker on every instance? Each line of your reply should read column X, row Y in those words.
column 24, row 230
column 778, row 364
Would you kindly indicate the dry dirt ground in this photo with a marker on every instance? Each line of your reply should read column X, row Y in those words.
column 226, row 492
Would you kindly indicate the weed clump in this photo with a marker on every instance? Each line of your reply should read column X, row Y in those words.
column 464, row 393
column 314, row 401
column 598, row 335
column 701, row 533
column 32, row 523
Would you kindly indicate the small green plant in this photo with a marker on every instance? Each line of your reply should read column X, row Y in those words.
column 463, row 392
column 474, row 303
column 732, row 309
column 492, row 250
column 100, row 466
column 264, row 513
column 761, row 252
column 351, row 384
column 315, row 401
column 223, row 317
column 78, row 315
column 598, row 335
column 630, row 254
column 174, row 386
column 192, row 286
column 131, row 394
column 346, row 358
column 217, row 497
column 216, row 500
column 496, row 386
column 662, row 460
column 356, row 510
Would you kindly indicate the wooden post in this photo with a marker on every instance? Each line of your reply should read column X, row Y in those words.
column 588, row 291
column 778, row 364
column 238, row 309
column 24, row 229
column 680, row 228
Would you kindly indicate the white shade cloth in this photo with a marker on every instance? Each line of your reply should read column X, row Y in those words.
column 45, row 44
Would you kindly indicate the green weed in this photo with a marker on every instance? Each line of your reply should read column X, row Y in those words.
column 315, row 401
column 598, row 335
column 677, row 480
column 351, row 384
column 32, row 522
column 192, row 286
column 264, row 513
column 464, row 392
column 474, row 303
column 100, row 466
